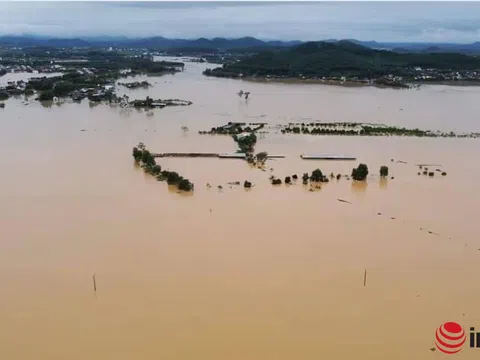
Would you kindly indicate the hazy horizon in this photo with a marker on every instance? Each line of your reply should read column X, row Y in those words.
column 366, row 21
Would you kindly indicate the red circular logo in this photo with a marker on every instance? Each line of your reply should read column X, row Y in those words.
column 450, row 337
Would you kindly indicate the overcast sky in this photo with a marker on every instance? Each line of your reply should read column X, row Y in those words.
column 381, row 21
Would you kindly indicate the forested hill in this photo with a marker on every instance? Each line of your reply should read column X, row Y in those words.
column 344, row 59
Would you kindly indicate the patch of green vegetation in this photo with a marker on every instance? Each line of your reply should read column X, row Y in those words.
column 360, row 173
column 149, row 165
column 361, row 129
column 246, row 143
column 383, row 171
column 334, row 60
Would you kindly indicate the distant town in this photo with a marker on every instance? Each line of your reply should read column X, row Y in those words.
column 91, row 73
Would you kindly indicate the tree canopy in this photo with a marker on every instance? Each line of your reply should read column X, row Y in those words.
column 360, row 173
column 338, row 59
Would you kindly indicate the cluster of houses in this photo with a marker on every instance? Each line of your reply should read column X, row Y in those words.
column 94, row 94
column 422, row 74
column 12, row 88
column 30, row 69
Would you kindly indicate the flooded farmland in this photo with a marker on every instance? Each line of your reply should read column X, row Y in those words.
column 275, row 272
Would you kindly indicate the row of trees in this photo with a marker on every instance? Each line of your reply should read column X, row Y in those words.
column 366, row 130
column 315, row 176
column 360, row 174
column 146, row 159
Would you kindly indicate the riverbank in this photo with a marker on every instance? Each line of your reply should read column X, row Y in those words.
column 316, row 81
column 353, row 83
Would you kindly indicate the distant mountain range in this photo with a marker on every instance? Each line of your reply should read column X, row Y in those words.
column 156, row 42
column 161, row 43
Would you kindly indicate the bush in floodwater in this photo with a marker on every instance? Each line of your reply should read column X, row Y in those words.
column 173, row 178
column 425, row 172
column 247, row 184
column 383, row 171
column 294, row 177
column 46, row 95
column 305, row 178
column 147, row 158
column 156, row 170
column 317, row 175
column 287, row 180
column 360, row 173
column 431, row 174
column 339, row 176
column 262, row 156
column 276, row 182
column 137, row 154
column 185, row 185
column 444, row 173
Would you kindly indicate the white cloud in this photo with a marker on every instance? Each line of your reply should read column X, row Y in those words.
column 383, row 21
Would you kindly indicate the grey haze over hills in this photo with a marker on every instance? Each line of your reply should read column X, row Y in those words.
column 386, row 21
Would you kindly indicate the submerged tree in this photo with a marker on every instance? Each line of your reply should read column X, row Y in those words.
column 317, row 175
column 46, row 95
column 276, row 182
column 147, row 158
column 185, row 185
column 383, row 171
column 262, row 156
column 305, row 178
column 173, row 178
column 156, row 169
column 360, row 173
column 137, row 154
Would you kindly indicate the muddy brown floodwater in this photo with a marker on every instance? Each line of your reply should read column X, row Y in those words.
column 271, row 273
